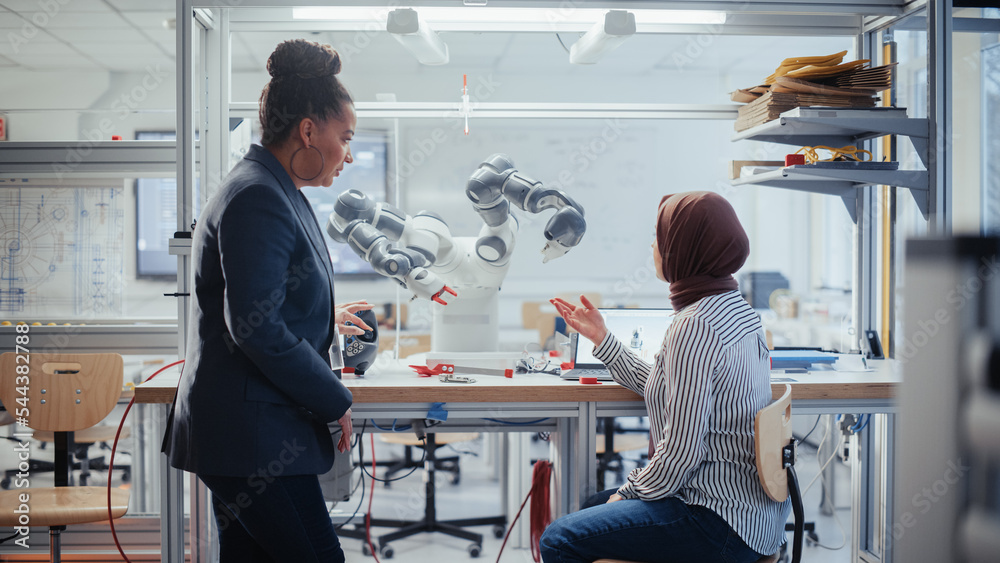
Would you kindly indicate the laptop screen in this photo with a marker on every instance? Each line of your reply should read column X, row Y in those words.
column 639, row 330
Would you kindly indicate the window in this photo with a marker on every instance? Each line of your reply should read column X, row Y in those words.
column 366, row 174
column 156, row 219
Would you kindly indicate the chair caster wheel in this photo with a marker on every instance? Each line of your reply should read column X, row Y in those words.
column 386, row 551
column 455, row 478
column 365, row 550
column 5, row 483
column 499, row 531
column 474, row 550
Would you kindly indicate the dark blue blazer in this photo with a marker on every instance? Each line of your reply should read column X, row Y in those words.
column 256, row 392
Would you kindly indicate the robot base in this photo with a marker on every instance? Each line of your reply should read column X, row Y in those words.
column 468, row 323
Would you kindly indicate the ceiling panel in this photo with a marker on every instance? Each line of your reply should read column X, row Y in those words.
column 88, row 20
column 119, row 33
column 10, row 19
column 64, row 62
column 83, row 35
column 16, row 37
column 125, row 62
column 139, row 5
column 35, row 48
column 149, row 20
column 138, row 49
column 32, row 6
column 162, row 36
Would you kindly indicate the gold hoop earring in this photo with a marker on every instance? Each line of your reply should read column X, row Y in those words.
column 322, row 163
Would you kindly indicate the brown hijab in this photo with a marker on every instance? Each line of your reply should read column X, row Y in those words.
column 702, row 245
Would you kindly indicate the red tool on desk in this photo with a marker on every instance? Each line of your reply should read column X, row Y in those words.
column 439, row 369
column 424, row 371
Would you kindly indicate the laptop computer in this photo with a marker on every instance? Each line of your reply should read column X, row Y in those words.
column 639, row 330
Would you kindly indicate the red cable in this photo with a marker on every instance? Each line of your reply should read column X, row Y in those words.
column 111, row 464
column 540, row 512
column 371, row 495
column 541, row 508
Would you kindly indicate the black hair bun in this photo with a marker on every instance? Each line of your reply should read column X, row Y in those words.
column 303, row 59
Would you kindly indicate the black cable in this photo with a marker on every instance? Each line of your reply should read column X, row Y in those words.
column 461, row 452
column 361, row 483
column 815, row 424
column 10, row 537
column 561, row 43
column 410, row 472
column 509, row 423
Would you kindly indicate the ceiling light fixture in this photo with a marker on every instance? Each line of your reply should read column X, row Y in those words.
column 604, row 37
column 413, row 33
column 533, row 19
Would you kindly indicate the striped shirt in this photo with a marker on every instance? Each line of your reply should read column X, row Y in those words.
column 709, row 380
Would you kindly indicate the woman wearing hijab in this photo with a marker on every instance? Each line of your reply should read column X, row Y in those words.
column 699, row 498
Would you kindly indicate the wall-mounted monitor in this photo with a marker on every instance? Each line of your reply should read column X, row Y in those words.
column 156, row 218
column 156, row 207
column 369, row 174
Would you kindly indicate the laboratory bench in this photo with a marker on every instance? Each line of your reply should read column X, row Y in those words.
column 570, row 410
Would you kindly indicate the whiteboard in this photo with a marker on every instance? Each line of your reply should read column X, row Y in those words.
column 63, row 250
column 605, row 165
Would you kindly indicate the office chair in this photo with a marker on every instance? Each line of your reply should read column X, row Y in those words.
column 65, row 393
column 775, row 452
column 611, row 442
column 409, row 441
column 429, row 522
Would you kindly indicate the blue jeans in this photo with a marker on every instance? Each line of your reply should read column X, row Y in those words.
column 660, row 531
column 276, row 520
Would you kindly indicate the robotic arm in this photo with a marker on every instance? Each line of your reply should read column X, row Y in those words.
column 396, row 245
column 420, row 253
column 496, row 182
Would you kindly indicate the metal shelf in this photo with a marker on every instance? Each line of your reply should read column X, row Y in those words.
column 88, row 159
column 139, row 338
column 840, row 127
column 841, row 183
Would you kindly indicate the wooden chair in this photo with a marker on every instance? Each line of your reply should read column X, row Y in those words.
column 79, row 447
column 775, row 452
column 65, row 393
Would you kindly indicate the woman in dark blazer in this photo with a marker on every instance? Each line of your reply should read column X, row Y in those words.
column 257, row 390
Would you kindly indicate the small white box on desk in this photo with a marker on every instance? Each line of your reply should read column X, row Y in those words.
column 490, row 360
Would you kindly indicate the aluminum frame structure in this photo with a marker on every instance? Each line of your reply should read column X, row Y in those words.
column 213, row 21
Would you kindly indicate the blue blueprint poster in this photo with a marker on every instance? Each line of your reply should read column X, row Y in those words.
column 61, row 252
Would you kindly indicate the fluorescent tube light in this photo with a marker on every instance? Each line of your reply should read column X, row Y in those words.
column 477, row 14
column 413, row 33
column 614, row 28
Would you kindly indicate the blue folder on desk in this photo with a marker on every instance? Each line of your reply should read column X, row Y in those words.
column 800, row 359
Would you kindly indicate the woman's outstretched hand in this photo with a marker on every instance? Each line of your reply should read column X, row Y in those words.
column 585, row 319
column 344, row 313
